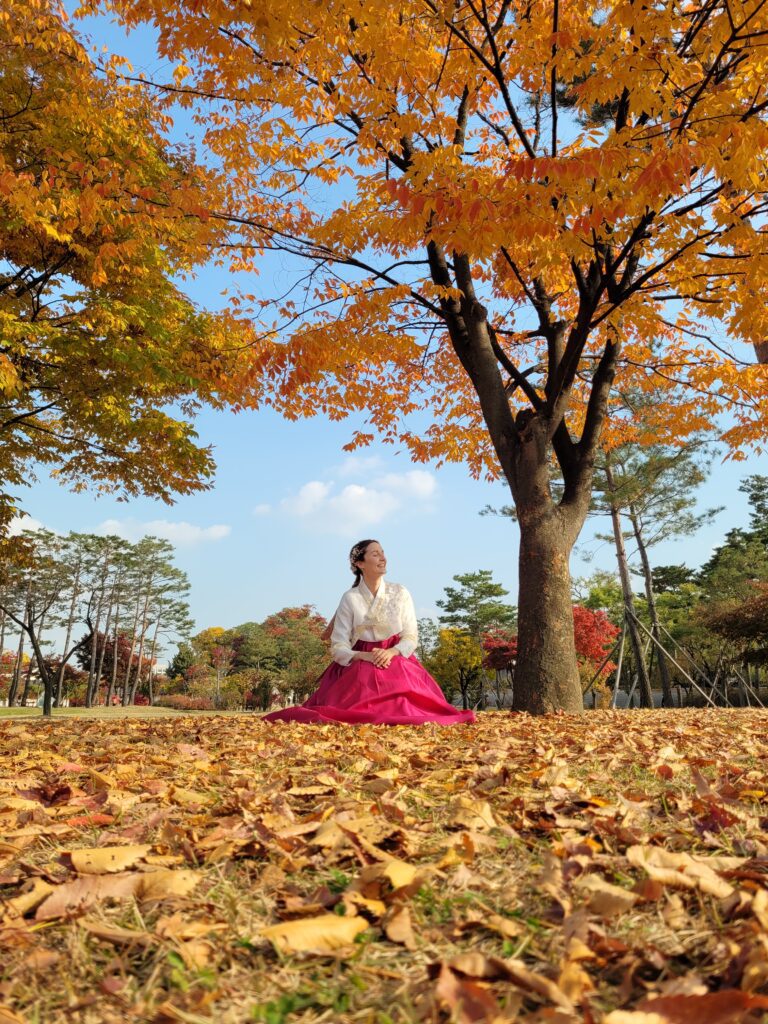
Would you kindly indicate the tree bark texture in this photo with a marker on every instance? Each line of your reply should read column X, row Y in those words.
column 546, row 675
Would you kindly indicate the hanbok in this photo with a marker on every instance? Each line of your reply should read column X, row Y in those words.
column 350, row 691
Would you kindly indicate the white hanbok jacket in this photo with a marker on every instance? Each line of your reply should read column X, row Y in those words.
column 361, row 616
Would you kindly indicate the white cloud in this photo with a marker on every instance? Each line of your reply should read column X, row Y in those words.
column 355, row 507
column 357, row 465
column 184, row 534
column 261, row 510
column 21, row 524
column 309, row 499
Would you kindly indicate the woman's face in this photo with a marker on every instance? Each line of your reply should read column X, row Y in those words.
column 373, row 562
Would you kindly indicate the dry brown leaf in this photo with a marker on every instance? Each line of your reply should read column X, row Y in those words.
column 397, row 874
column 477, row 965
column 322, row 935
column 472, row 814
column 603, row 898
column 7, row 1016
column 75, row 898
column 115, row 934
column 42, row 959
column 635, row 1017
column 101, row 860
column 165, row 883
column 574, row 982
column 355, row 900
column 26, row 901
column 188, row 797
column 467, row 1001
column 725, row 1007
column 398, row 927
column 196, row 953
column 684, row 870
column 175, row 927
column 504, row 926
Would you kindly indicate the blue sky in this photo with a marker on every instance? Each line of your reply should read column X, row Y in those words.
column 288, row 503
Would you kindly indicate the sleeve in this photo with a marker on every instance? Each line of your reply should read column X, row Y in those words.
column 409, row 631
column 341, row 638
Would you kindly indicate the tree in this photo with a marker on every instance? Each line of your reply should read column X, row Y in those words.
column 182, row 660
column 301, row 654
column 744, row 622
column 98, row 340
column 478, row 244
column 33, row 583
column 654, row 487
column 475, row 606
column 500, row 655
column 49, row 581
column 456, row 663
column 594, row 636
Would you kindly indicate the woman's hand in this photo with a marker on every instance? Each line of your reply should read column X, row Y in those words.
column 382, row 657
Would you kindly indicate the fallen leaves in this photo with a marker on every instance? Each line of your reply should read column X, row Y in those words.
column 322, row 935
column 201, row 869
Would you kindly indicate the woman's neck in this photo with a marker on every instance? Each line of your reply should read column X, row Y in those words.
column 372, row 582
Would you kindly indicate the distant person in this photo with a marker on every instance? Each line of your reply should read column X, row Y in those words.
column 375, row 676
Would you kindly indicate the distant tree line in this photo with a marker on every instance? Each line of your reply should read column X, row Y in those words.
column 101, row 603
column 250, row 666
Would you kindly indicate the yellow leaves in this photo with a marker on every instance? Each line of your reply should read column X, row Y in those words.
column 107, row 859
column 294, row 858
column 682, row 870
column 327, row 934
column 475, row 815
column 603, row 898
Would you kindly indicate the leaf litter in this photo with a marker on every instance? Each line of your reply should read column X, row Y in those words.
column 608, row 869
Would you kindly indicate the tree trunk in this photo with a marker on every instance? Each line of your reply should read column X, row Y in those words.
column 666, row 686
column 646, row 696
column 16, row 678
column 2, row 642
column 127, row 680
column 70, row 627
column 27, row 681
column 115, row 652
column 547, row 674
column 152, row 650
column 103, row 651
column 142, row 641
column 92, row 686
column 45, row 675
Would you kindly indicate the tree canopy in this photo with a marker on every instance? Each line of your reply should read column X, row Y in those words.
column 503, row 213
column 99, row 223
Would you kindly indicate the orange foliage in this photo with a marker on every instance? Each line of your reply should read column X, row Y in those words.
column 412, row 153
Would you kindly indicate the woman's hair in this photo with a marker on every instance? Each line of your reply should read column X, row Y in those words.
column 357, row 554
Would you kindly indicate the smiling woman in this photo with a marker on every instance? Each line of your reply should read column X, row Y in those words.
column 375, row 676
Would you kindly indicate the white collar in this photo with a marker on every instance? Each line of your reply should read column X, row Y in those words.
column 366, row 593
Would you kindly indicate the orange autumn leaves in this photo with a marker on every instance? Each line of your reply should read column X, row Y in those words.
column 604, row 870
column 105, row 358
column 372, row 142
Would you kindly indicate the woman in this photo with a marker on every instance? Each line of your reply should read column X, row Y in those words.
column 375, row 676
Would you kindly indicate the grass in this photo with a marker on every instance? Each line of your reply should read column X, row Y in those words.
column 140, row 711
column 491, row 854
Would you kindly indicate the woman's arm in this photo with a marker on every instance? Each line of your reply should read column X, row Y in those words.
column 341, row 636
column 409, row 630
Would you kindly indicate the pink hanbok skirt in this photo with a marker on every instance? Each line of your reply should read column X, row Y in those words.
column 402, row 694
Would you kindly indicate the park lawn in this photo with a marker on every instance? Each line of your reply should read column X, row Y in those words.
column 115, row 711
column 549, row 871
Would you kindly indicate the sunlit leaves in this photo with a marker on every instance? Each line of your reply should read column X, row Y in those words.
column 540, row 869
column 99, row 220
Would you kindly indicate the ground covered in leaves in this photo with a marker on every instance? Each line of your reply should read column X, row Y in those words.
column 607, row 869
